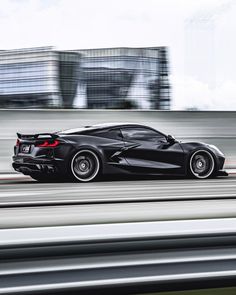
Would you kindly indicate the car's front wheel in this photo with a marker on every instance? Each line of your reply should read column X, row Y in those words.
column 202, row 164
column 85, row 165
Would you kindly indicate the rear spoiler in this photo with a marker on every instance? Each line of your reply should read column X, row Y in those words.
column 37, row 136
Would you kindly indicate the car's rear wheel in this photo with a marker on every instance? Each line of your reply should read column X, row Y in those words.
column 202, row 164
column 85, row 165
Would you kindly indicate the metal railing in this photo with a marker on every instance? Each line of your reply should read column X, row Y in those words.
column 128, row 256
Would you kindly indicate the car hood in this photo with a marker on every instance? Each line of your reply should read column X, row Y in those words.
column 191, row 146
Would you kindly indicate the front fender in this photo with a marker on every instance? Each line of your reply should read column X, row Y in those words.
column 191, row 147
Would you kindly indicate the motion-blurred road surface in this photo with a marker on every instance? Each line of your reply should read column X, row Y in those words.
column 26, row 203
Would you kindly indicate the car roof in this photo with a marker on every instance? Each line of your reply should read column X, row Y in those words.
column 100, row 127
column 108, row 125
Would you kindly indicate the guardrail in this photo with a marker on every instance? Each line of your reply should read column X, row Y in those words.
column 130, row 257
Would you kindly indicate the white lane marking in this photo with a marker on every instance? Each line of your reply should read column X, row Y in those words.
column 115, row 190
column 119, row 187
column 123, row 185
column 116, row 199
column 13, row 176
column 116, row 184
column 23, row 193
column 115, row 231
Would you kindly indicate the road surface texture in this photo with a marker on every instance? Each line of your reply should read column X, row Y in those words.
column 27, row 203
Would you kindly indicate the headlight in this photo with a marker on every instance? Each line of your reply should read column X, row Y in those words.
column 216, row 149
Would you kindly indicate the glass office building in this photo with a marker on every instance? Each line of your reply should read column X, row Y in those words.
column 125, row 78
column 37, row 77
column 94, row 78
column 28, row 77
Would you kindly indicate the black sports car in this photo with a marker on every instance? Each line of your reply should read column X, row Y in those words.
column 85, row 153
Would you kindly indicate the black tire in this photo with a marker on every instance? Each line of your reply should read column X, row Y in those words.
column 85, row 166
column 202, row 164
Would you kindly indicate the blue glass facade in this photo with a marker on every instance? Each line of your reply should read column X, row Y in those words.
column 29, row 77
column 125, row 78
column 93, row 78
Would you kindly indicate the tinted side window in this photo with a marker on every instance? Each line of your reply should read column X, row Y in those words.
column 113, row 134
column 141, row 134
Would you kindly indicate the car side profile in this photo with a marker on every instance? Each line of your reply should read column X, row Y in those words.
column 85, row 153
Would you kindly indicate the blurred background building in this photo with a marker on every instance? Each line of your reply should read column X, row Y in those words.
column 123, row 78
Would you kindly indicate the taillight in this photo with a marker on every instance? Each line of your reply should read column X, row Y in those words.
column 17, row 142
column 48, row 144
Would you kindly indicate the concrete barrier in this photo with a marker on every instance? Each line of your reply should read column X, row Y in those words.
column 217, row 128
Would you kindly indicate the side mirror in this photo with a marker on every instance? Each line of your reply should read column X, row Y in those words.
column 171, row 139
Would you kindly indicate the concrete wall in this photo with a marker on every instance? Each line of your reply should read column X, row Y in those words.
column 218, row 128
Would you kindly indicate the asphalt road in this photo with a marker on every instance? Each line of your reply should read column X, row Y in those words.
column 23, row 191
column 26, row 203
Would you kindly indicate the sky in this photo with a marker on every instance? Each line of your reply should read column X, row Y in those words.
column 200, row 35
